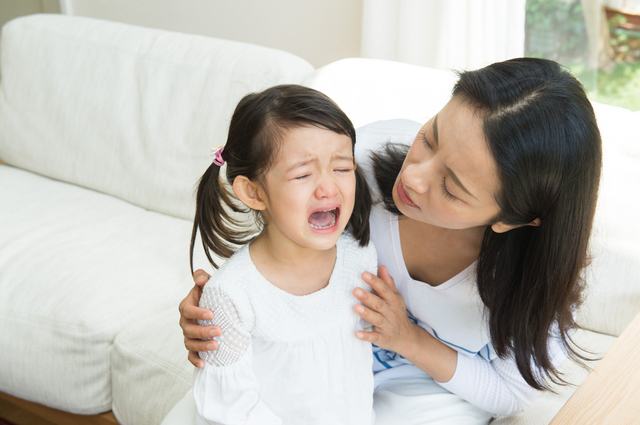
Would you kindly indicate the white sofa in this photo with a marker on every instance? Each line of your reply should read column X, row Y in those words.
column 105, row 129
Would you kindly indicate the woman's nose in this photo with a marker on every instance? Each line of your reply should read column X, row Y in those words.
column 416, row 178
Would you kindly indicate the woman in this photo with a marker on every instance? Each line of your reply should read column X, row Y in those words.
column 483, row 226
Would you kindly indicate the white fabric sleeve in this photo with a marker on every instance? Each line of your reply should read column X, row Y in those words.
column 497, row 386
column 226, row 390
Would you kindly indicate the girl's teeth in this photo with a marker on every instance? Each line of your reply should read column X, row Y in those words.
column 321, row 216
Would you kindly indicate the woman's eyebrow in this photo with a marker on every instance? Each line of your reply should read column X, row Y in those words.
column 434, row 127
column 458, row 183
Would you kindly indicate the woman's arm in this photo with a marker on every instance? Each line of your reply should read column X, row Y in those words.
column 495, row 386
column 190, row 313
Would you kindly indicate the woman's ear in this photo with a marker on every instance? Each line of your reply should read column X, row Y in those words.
column 248, row 193
column 501, row 227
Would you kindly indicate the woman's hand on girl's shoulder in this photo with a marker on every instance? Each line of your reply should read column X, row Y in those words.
column 190, row 313
column 385, row 309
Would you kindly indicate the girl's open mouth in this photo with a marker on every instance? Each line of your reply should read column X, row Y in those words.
column 325, row 219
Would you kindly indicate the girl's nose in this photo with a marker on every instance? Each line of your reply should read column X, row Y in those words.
column 326, row 188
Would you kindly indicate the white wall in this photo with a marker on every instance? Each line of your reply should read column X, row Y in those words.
column 320, row 31
column 10, row 9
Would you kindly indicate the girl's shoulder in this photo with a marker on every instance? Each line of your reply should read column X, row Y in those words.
column 230, row 282
column 236, row 267
column 351, row 246
column 355, row 258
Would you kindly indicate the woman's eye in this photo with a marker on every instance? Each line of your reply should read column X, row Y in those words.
column 426, row 142
column 445, row 192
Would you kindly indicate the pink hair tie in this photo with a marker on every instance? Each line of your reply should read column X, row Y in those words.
column 217, row 152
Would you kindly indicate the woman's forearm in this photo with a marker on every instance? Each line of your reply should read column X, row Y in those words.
column 429, row 354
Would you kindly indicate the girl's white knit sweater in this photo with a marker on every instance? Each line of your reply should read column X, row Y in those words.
column 286, row 359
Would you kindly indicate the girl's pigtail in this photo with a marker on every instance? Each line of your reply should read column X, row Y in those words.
column 359, row 220
column 219, row 230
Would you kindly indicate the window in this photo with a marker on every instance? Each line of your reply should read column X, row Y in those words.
column 600, row 43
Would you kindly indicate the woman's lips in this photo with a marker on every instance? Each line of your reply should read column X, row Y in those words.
column 404, row 196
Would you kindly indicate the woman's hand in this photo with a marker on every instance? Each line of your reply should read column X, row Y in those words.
column 385, row 309
column 190, row 312
column 394, row 331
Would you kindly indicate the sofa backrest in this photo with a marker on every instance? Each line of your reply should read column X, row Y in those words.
column 612, row 298
column 125, row 110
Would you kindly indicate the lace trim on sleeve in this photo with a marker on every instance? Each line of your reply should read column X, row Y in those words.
column 234, row 341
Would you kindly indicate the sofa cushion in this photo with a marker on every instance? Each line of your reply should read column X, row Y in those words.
column 125, row 110
column 150, row 372
column 77, row 267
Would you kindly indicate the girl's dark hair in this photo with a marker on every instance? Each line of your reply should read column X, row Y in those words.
column 257, row 127
column 542, row 132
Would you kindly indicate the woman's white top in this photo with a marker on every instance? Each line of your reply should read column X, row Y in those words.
column 286, row 359
column 452, row 312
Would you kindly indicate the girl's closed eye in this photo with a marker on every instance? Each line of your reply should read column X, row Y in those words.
column 302, row 177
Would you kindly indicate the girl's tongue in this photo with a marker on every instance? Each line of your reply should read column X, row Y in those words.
column 322, row 219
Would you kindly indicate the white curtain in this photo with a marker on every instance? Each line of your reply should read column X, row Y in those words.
column 444, row 34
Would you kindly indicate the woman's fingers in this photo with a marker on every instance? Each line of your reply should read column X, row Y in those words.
column 367, row 298
column 196, row 337
column 189, row 312
column 194, row 331
column 372, row 337
column 383, row 274
column 376, row 319
column 383, row 284
column 200, row 277
column 195, row 359
column 189, row 309
column 385, row 309
column 200, row 344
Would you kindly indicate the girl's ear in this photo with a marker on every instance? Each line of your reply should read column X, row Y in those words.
column 248, row 193
column 501, row 227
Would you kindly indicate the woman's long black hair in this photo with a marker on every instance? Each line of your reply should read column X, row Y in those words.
column 255, row 133
column 542, row 132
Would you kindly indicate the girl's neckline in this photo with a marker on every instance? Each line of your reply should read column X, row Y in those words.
column 272, row 287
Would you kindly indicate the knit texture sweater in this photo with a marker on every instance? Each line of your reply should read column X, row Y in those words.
column 286, row 359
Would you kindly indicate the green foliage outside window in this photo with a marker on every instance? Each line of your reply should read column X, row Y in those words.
column 555, row 29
